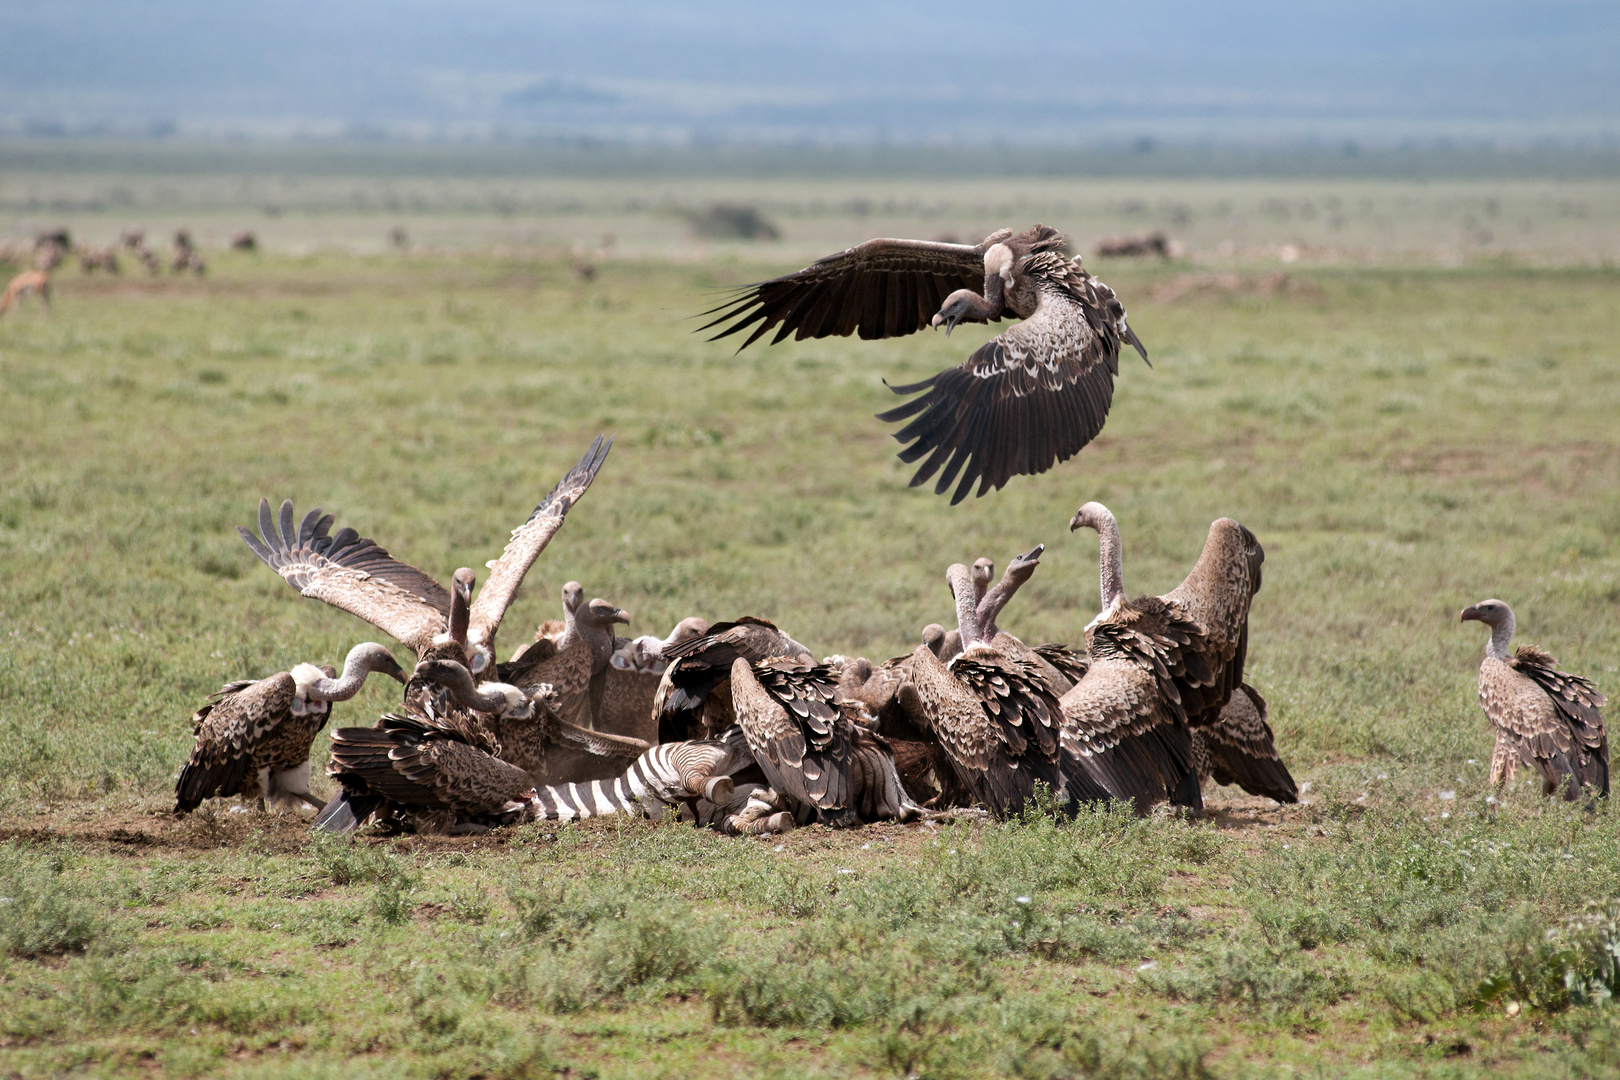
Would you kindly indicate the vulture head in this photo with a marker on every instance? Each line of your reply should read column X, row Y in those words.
column 963, row 305
column 933, row 636
column 374, row 658
column 983, row 570
column 1499, row 617
column 501, row 699
column 602, row 614
column 1492, row 613
column 572, row 594
column 1092, row 515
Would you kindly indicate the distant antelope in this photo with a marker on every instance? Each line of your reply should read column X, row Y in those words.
column 133, row 238
column 93, row 259
column 244, row 241
column 37, row 282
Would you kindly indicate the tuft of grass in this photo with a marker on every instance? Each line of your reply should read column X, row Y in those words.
column 43, row 912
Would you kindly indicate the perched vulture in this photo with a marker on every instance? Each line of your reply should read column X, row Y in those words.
column 1160, row 665
column 1240, row 749
column 1545, row 719
column 694, row 696
column 1034, row 394
column 253, row 737
column 351, row 572
column 827, row 767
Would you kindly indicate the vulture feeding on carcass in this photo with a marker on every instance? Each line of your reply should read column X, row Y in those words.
column 1032, row 395
column 1545, row 719
column 253, row 736
column 355, row 574
column 1162, row 665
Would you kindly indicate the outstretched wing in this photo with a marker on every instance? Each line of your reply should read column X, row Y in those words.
column 882, row 288
column 529, row 540
column 352, row 573
column 1243, row 751
column 1019, row 404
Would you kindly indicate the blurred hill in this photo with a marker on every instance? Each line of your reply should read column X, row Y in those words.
column 721, row 71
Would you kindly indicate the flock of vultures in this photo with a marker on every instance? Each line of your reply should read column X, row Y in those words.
column 735, row 725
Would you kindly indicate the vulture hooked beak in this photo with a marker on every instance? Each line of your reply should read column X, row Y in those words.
column 949, row 322
column 1075, row 523
column 621, row 615
column 1468, row 613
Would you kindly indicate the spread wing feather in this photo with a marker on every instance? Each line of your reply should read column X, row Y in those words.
column 529, row 540
column 350, row 572
column 882, row 288
column 1005, row 411
column 1243, row 751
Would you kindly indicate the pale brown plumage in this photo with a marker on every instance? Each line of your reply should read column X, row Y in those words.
column 437, row 773
column 253, row 737
column 526, row 723
column 1545, row 719
column 358, row 576
column 1240, row 749
column 1031, row 396
column 569, row 666
column 694, row 697
column 1159, row 665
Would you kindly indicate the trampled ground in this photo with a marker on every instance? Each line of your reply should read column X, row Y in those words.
column 1403, row 442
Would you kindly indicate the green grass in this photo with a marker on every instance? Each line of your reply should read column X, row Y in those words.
column 1403, row 441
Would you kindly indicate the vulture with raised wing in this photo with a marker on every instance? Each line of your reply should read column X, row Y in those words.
column 1031, row 396
column 254, row 736
column 1545, row 719
column 694, row 696
column 1161, row 665
column 1240, row 749
column 355, row 574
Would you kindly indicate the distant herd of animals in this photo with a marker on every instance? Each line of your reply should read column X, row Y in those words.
column 50, row 249
column 735, row 724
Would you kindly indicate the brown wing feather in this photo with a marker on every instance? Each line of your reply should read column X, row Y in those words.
column 1123, row 722
column 421, row 766
column 529, row 540
column 1014, row 407
column 798, row 735
column 882, row 288
column 229, row 728
column 1216, row 596
column 1578, row 703
column 1243, row 751
column 351, row 573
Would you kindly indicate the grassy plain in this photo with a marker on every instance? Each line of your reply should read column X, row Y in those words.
column 1403, row 440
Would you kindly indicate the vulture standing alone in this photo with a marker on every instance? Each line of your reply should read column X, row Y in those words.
column 1030, row 396
column 253, row 737
column 1545, row 719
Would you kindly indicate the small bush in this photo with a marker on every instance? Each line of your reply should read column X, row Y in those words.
column 348, row 862
column 1263, row 979
column 42, row 913
column 732, row 221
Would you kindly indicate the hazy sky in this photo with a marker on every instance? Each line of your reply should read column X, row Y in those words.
column 836, row 70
